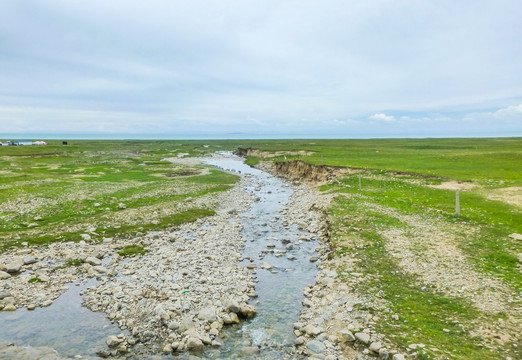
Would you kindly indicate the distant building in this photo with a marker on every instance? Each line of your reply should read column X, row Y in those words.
column 22, row 143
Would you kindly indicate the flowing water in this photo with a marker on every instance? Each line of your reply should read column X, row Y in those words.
column 72, row 329
column 280, row 288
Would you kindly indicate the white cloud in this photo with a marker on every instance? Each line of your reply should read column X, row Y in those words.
column 382, row 117
column 256, row 65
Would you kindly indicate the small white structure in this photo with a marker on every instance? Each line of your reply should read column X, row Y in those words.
column 39, row 143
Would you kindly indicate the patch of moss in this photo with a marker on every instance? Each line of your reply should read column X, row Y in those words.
column 132, row 250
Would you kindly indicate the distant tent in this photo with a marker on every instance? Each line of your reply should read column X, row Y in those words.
column 64, row 142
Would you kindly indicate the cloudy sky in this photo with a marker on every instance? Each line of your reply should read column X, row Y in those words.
column 274, row 68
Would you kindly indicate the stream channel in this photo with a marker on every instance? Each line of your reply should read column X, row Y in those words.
column 272, row 241
column 271, row 238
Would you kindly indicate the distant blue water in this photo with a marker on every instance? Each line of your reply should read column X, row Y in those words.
column 225, row 136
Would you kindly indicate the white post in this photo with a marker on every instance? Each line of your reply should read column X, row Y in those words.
column 457, row 204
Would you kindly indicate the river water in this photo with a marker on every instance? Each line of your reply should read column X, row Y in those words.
column 270, row 239
column 273, row 242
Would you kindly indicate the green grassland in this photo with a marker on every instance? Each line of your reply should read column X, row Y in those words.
column 102, row 188
column 398, row 180
column 118, row 188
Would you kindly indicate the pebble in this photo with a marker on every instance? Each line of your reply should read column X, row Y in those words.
column 316, row 347
column 362, row 337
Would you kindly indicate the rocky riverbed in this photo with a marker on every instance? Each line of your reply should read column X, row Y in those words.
column 194, row 282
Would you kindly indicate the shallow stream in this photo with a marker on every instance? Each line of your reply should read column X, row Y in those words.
column 273, row 240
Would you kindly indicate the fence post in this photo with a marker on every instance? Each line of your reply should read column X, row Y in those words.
column 457, row 204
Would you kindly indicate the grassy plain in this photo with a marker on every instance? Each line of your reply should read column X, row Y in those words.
column 455, row 284
column 101, row 189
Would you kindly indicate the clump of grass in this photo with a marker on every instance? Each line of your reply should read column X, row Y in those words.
column 75, row 262
column 132, row 250
column 35, row 279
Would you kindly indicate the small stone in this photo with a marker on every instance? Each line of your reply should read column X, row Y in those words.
column 174, row 325
column 122, row 206
column 346, row 336
column 31, row 307
column 398, row 357
column 4, row 275
column 113, row 341
column 270, row 245
column 363, row 337
column 85, row 237
column 4, row 294
column 247, row 311
column 207, row 314
column 9, row 307
column 14, row 266
column 101, row 269
column 316, row 347
column 47, row 303
column 314, row 259
column 167, row 349
column 375, row 346
column 233, row 307
column 516, row 236
column 249, row 351
column 93, row 261
column 299, row 341
column 194, row 343
column 28, row 260
column 266, row 266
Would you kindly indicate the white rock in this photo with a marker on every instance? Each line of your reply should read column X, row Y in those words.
column 363, row 337
column 375, row 346
column 93, row 261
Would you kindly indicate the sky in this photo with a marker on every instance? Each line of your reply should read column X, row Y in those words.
column 265, row 68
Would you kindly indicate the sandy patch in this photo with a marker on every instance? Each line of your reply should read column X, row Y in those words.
column 185, row 161
column 454, row 185
column 430, row 251
column 510, row 195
